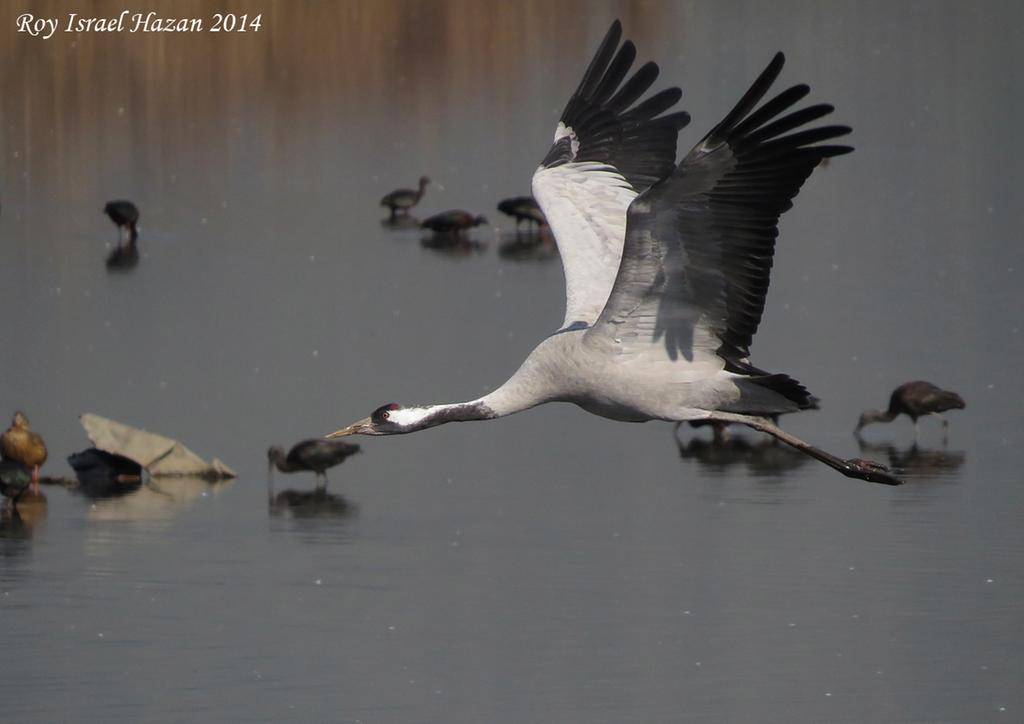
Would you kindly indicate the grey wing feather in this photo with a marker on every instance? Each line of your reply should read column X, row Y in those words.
column 699, row 245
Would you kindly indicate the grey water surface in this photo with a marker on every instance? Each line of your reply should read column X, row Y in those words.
column 549, row 567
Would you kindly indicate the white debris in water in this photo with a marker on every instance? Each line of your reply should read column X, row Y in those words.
column 319, row 581
column 392, row 628
column 316, row 353
column 990, row 580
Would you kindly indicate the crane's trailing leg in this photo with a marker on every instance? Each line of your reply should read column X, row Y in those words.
column 853, row 468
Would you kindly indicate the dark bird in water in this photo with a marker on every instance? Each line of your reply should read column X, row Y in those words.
column 103, row 474
column 15, row 479
column 401, row 200
column 914, row 399
column 523, row 208
column 317, row 455
column 19, row 442
column 125, row 215
column 454, row 221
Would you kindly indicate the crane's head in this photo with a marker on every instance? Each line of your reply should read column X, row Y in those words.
column 385, row 420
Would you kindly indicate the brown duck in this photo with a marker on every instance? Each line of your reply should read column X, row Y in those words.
column 20, row 443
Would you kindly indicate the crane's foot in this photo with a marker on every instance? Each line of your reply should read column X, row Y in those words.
column 869, row 470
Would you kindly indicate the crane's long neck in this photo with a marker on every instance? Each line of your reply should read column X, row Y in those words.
column 521, row 392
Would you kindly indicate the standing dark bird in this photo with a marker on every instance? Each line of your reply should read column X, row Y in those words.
column 523, row 208
column 20, row 443
column 914, row 399
column 316, row 455
column 454, row 221
column 126, row 215
column 15, row 479
column 401, row 200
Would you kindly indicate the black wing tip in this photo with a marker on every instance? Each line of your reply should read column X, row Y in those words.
column 833, row 151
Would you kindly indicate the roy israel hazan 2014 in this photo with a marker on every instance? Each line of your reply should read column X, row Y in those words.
column 127, row 21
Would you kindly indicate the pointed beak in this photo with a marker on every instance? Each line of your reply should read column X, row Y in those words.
column 363, row 427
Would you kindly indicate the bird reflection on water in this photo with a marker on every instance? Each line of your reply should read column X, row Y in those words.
column 120, row 496
column 762, row 458
column 22, row 507
column 917, row 462
column 402, row 222
column 18, row 521
column 530, row 245
column 124, row 257
column 452, row 244
column 316, row 503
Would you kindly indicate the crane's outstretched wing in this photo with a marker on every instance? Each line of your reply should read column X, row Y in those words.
column 606, row 151
column 699, row 245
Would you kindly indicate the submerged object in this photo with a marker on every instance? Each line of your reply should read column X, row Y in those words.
column 666, row 266
column 158, row 455
column 914, row 399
